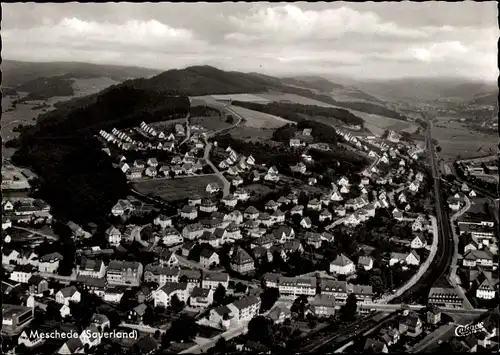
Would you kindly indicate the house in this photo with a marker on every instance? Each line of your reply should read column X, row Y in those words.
column 72, row 346
column 445, row 297
column 312, row 181
column 365, row 262
column 67, row 295
column 245, row 308
column 433, row 315
column 323, row 305
column 292, row 287
column 413, row 324
column 136, row 314
column 375, row 346
column 37, row 285
column 161, row 274
column 171, row 236
column 237, row 180
column 299, row 168
column 453, row 203
column 342, row 265
column 324, row 215
column 279, row 314
column 121, row 207
column 414, row 186
column 189, row 212
column 314, row 205
column 230, row 201
column 113, row 236
column 22, row 273
column 166, row 257
column 192, row 231
column 90, row 337
column 475, row 258
column 212, row 188
column 124, row 167
column 306, row 223
column 49, row 262
column 344, row 190
column 251, row 213
column 343, row 181
column 412, row 258
column 336, row 196
column 113, row 295
column 398, row 215
column 340, row 211
column 127, row 273
column 163, row 296
column 418, row 242
column 313, row 239
column 213, row 279
column 28, row 339
column 152, row 162
column 92, row 268
column 472, row 245
column 201, row 298
column 242, row 262
column 294, row 142
column 208, row 258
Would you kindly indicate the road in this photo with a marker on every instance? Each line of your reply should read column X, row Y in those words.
column 454, row 262
column 226, row 184
column 444, row 251
column 423, row 268
column 188, row 130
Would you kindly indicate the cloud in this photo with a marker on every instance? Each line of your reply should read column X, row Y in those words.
column 289, row 22
column 72, row 32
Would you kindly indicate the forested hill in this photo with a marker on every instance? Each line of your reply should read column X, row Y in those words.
column 77, row 177
column 298, row 112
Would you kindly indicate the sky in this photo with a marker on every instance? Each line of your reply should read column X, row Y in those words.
column 365, row 40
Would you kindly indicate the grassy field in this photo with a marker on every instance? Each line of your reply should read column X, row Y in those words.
column 211, row 123
column 242, row 97
column 378, row 124
column 251, row 133
column 292, row 98
column 456, row 140
column 259, row 119
column 177, row 189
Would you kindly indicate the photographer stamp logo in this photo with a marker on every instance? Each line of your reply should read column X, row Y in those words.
column 466, row 330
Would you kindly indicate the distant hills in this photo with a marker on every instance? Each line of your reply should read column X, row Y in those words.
column 489, row 99
column 16, row 73
column 428, row 88
column 45, row 80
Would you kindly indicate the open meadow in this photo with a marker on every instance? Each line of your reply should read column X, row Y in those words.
column 251, row 133
column 292, row 98
column 378, row 124
column 178, row 188
column 242, row 97
column 258, row 119
column 211, row 123
column 456, row 140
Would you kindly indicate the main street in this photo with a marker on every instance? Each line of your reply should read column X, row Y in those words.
column 444, row 251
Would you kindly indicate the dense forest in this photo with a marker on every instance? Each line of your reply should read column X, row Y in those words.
column 44, row 88
column 203, row 111
column 77, row 177
column 297, row 112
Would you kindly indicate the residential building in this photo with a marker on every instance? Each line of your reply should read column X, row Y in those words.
column 365, row 262
column 323, row 305
column 201, row 298
column 209, row 258
column 293, row 287
column 163, row 296
column 49, row 262
column 92, row 268
column 342, row 265
column 127, row 273
column 67, row 295
column 242, row 262
column 245, row 308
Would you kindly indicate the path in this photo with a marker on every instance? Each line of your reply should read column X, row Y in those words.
column 51, row 237
column 454, row 262
column 226, row 184
column 421, row 271
column 188, row 130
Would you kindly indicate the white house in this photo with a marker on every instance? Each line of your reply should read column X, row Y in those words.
column 113, row 235
column 342, row 265
column 209, row 258
column 365, row 262
column 418, row 242
column 68, row 294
